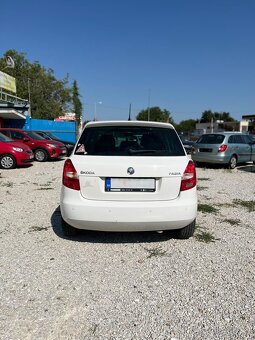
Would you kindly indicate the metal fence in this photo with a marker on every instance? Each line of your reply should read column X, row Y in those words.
column 63, row 130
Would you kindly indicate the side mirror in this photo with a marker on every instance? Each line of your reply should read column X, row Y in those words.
column 25, row 139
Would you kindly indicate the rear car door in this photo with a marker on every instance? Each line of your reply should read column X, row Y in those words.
column 238, row 146
column 244, row 149
column 253, row 152
column 249, row 142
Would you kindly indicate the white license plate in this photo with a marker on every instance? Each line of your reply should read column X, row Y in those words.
column 130, row 184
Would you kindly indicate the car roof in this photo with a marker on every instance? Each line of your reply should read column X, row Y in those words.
column 13, row 129
column 129, row 123
column 225, row 133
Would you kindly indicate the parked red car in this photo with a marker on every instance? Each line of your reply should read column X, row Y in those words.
column 43, row 149
column 13, row 154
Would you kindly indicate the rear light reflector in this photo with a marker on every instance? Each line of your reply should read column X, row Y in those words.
column 189, row 178
column 70, row 176
column 222, row 148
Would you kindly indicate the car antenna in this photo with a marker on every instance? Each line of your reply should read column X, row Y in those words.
column 129, row 114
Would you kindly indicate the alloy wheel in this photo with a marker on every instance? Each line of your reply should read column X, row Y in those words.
column 233, row 162
column 7, row 162
column 40, row 155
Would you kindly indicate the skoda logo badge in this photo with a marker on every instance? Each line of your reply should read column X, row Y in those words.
column 130, row 171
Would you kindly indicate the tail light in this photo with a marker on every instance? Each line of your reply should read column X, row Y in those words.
column 222, row 148
column 70, row 176
column 189, row 178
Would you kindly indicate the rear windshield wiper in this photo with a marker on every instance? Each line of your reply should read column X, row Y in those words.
column 147, row 152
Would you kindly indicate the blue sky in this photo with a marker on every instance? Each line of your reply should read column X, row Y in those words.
column 185, row 56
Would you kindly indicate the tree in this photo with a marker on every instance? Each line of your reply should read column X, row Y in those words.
column 208, row 115
column 155, row 114
column 186, row 126
column 50, row 97
column 77, row 106
column 225, row 116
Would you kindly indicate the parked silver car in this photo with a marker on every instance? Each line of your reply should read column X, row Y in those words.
column 226, row 148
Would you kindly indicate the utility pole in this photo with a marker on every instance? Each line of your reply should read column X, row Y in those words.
column 211, row 125
column 95, row 110
column 149, row 104
column 29, row 96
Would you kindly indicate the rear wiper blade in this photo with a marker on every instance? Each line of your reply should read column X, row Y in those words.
column 144, row 152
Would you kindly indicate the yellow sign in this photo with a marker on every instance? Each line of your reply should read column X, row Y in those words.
column 7, row 82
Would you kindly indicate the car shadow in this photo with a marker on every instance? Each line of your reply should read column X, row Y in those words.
column 242, row 167
column 211, row 166
column 247, row 168
column 89, row 236
column 56, row 160
column 25, row 166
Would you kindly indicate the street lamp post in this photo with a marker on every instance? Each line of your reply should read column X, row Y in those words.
column 29, row 95
column 95, row 110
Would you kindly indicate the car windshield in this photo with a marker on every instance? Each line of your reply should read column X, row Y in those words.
column 42, row 134
column 50, row 135
column 34, row 135
column 129, row 141
column 211, row 139
column 4, row 138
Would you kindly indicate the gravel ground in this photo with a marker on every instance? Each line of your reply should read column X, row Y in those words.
column 126, row 286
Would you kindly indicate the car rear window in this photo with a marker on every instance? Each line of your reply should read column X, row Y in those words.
column 129, row 141
column 211, row 139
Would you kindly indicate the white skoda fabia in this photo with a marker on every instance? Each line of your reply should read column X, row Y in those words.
column 129, row 176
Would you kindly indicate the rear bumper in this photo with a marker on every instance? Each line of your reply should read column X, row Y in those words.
column 128, row 216
column 215, row 159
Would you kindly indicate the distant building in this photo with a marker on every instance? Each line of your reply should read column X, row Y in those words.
column 247, row 124
column 217, row 126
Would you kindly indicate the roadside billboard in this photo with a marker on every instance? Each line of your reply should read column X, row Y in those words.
column 68, row 117
column 7, row 82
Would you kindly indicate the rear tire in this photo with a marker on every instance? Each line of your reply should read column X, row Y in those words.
column 187, row 231
column 67, row 229
column 7, row 162
column 232, row 162
column 41, row 155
